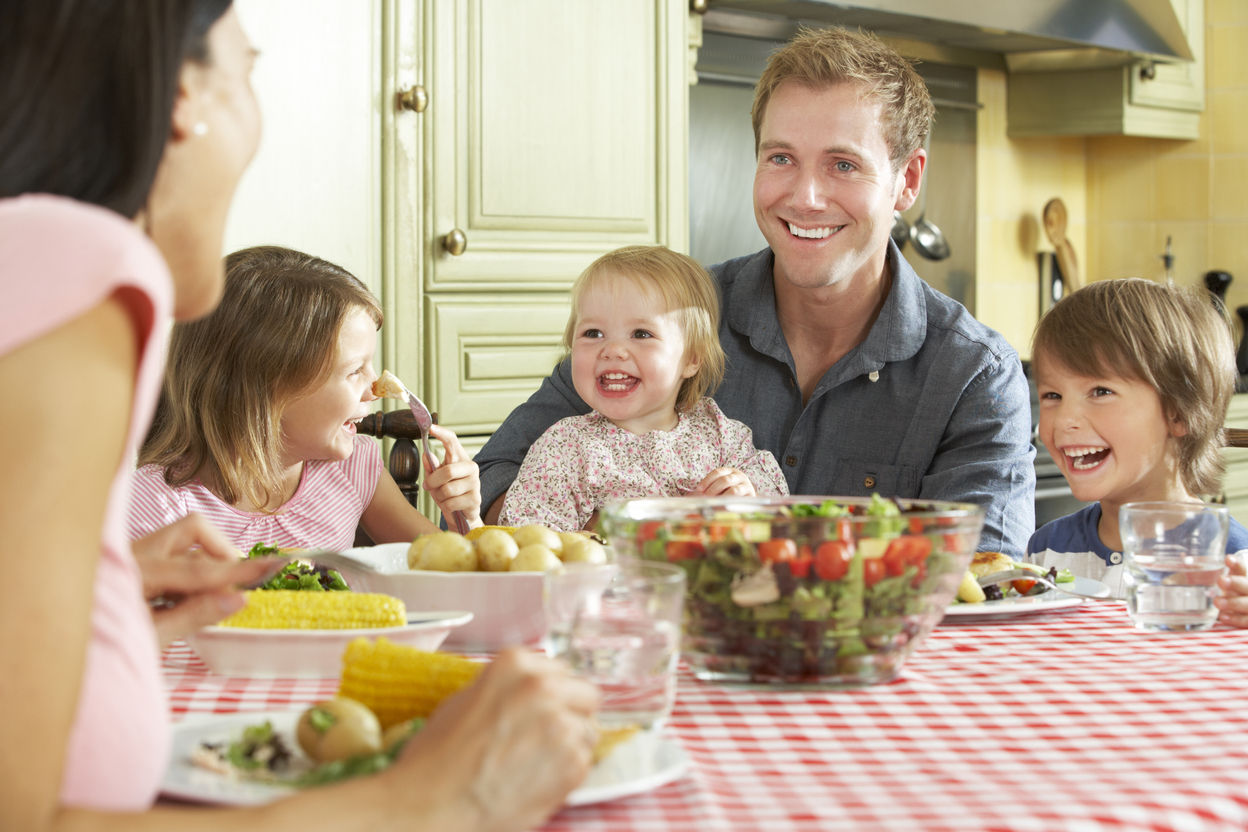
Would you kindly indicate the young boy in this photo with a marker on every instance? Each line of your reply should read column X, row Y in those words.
column 1134, row 379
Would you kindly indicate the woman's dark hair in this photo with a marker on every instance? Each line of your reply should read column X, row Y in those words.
column 88, row 93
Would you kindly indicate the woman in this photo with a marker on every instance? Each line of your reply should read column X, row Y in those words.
column 127, row 126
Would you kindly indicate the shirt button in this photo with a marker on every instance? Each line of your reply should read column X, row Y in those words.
column 874, row 375
column 1115, row 557
column 790, row 460
column 868, row 482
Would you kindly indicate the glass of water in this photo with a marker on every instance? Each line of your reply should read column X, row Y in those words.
column 618, row 625
column 1174, row 554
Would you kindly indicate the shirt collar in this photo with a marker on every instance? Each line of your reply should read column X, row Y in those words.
column 898, row 332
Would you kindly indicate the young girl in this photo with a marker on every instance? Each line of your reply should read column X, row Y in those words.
column 256, row 428
column 1134, row 379
column 645, row 355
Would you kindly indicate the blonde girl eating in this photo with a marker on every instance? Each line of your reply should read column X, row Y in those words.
column 643, row 336
column 256, row 428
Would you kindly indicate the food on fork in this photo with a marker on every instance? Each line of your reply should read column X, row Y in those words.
column 388, row 386
column 287, row 610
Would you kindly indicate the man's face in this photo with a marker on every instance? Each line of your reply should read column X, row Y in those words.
column 824, row 188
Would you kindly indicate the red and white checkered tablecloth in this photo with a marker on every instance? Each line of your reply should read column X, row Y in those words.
column 1060, row 721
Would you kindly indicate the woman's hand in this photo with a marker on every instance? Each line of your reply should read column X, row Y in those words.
column 455, row 485
column 191, row 574
column 1233, row 602
column 505, row 752
column 724, row 481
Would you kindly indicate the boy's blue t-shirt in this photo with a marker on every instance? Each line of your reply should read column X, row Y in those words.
column 1071, row 542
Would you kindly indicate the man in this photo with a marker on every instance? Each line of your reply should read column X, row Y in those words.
column 853, row 372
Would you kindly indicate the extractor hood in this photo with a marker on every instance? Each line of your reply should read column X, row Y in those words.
column 1031, row 35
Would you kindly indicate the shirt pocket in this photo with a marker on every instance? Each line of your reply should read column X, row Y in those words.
column 861, row 477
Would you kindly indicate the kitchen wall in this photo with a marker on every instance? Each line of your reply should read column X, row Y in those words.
column 1014, row 179
column 1141, row 190
column 1124, row 195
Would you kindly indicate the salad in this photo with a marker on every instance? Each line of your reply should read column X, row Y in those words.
column 812, row 592
column 299, row 574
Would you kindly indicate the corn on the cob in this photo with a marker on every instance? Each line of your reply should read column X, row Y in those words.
column 287, row 609
column 398, row 682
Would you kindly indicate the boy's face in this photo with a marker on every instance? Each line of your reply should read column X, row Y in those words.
column 628, row 355
column 1109, row 436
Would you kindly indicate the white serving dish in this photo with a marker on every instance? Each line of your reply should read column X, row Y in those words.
column 506, row 606
column 242, row 651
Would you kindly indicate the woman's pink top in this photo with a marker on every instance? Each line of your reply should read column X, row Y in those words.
column 582, row 462
column 322, row 513
column 58, row 259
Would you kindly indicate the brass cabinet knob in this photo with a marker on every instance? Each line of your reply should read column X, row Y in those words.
column 698, row 6
column 455, row 243
column 414, row 99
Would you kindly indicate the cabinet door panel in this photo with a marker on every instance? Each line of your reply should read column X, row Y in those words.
column 487, row 354
column 545, row 136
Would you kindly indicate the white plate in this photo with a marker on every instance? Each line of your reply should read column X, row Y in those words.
column 242, row 651
column 644, row 762
column 1025, row 604
column 507, row 606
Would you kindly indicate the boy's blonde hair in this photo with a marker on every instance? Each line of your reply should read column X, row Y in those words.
column 685, row 288
column 822, row 57
column 1171, row 338
column 231, row 374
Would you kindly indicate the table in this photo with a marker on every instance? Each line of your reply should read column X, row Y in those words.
column 1067, row 720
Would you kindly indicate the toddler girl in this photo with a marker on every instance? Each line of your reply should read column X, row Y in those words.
column 645, row 355
column 256, row 424
column 1134, row 379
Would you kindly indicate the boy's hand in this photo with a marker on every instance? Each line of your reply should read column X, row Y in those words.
column 1233, row 602
column 723, row 481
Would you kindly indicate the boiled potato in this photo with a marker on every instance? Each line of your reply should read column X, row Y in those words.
column 447, row 552
column 337, row 729
column 496, row 549
column 536, row 558
column 413, row 551
column 548, row 537
column 577, row 548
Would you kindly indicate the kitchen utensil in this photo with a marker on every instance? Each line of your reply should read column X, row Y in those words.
column 1167, row 261
column 901, row 230
column 1055, row 218
column 1218, row 282
column 1241, row 356
column 1028, row 575
column 927, row 239
column 424, row 420
column 389, row 385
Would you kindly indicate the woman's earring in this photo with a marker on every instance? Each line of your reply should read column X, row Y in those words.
column 200, row 129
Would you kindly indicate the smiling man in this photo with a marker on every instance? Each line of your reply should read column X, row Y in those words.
column 851, row 370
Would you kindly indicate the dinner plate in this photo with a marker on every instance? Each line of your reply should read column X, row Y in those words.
column 645, row 761
column 242, row 651
column 1027, row 604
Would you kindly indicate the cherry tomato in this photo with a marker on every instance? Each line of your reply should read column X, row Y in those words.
column 800, row 567
column 717, row 531
column 872, row 571
column 684, row 550
column 832, row 560
column 1022, row 586
column 779, row 548
column 904, row 551
column 649, row 530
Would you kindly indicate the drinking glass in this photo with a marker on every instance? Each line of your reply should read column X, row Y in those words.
column 618, row 625
column 1174, row 554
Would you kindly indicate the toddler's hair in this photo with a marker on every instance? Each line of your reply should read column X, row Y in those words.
column 231, row 374
column 817, row 58
column 1171, row 338
column 685, row 288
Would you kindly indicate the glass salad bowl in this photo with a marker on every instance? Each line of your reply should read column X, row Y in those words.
column 827, row 591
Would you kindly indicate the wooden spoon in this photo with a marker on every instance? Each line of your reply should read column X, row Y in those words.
column 1055, row 229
